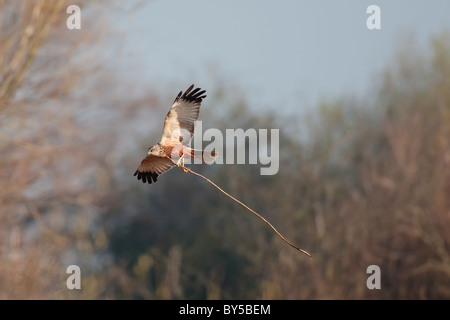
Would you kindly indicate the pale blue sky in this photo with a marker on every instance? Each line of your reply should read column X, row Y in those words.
column 282, row 54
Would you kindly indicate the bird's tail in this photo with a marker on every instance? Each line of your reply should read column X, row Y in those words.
column 204, row 155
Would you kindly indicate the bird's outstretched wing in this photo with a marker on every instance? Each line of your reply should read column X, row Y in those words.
column 151, row 167
column 179, row 122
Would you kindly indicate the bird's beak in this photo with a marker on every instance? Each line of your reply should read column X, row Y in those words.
column 148, row 152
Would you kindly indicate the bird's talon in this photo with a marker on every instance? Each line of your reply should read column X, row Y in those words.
column 181, row 160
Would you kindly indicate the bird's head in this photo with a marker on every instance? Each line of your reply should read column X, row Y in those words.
column 154, row 150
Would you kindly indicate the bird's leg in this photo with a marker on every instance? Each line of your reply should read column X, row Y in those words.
column 180, row 160
column 180, row 163
column 183, row 167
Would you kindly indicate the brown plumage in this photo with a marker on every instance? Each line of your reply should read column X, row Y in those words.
column 178, row 131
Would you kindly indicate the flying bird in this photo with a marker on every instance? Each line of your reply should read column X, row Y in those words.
column 177, row 133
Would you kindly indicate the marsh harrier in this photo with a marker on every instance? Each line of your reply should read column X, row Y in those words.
column 177, row 133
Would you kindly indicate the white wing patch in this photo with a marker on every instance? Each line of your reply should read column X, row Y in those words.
column 178, row 127
column 179, row 122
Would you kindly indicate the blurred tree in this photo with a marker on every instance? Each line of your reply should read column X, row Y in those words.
column 368, row 186
column 366, row 183
column 53, row 175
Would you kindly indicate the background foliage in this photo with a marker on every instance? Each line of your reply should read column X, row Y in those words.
column 366, row 182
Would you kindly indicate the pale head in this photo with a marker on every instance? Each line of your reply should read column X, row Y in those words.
column 156, row 150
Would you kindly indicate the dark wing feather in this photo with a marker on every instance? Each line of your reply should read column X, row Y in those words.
column 182, row 116
column 151, row 167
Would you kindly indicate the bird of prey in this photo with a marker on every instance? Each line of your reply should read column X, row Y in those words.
column 178, row 131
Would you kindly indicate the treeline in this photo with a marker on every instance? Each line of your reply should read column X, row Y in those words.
column 369, row 186
column 361, row 182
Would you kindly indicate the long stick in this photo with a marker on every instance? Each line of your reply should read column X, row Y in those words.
column 185, row 169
